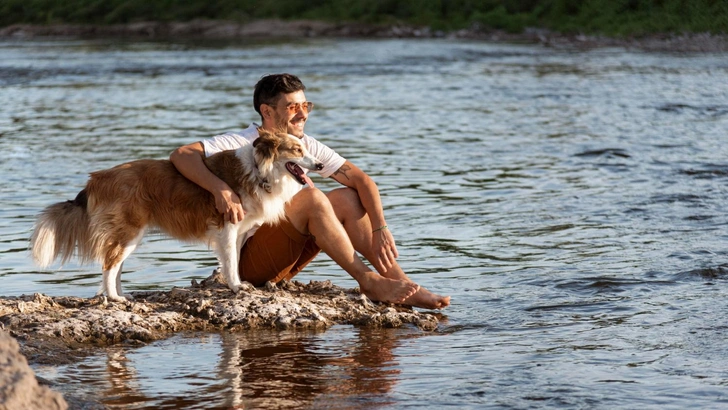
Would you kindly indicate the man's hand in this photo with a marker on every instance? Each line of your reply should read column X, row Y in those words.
column 385, row 248
column 228, row 203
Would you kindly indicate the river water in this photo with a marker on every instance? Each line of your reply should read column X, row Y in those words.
column 572, row 203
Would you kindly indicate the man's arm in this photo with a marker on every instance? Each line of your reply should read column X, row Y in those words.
column 188, row 160
column 382, row 240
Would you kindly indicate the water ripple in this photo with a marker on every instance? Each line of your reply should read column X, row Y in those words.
column 572, row 203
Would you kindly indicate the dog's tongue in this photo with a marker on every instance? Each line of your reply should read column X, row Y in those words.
column 296, row 171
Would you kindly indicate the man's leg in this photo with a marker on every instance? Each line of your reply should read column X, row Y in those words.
column 311, row 213
column 350, row 212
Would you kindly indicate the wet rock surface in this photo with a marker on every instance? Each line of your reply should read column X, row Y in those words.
column 19, row 389
column 59, row 329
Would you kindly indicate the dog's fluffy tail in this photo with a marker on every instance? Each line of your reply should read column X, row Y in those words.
column 62, row 230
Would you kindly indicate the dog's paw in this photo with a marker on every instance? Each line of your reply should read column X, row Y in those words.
column 246, row 286
column 123, row 298
column 235, row 287
column 242, row 287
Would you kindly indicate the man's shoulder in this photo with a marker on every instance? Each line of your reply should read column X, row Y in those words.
column 230, row 140
column 309, row 140
column 249, row 133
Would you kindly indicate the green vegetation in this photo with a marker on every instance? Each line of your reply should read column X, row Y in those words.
column 609, row 17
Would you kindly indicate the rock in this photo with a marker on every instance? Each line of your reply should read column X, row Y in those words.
column 47, row 325
column 19, row 389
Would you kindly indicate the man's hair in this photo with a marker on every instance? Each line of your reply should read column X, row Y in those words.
column 270, row 87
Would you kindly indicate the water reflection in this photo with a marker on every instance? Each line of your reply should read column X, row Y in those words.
column 273, row 370
column 341, row 368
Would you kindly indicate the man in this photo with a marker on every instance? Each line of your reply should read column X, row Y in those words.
column 340, row 223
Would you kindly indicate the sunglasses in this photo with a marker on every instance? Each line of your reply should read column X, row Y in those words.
column 293, row 108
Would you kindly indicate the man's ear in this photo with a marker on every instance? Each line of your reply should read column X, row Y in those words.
column 266, row 111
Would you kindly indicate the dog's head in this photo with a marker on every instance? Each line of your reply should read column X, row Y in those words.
column 280, row 147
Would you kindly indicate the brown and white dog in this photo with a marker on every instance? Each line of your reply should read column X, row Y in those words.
column 109, row 217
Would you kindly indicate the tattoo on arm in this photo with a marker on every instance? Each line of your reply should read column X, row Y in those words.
column 342, row 172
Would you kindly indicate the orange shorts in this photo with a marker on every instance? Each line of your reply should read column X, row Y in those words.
column 276, row 252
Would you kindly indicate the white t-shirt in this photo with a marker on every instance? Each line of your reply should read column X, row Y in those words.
column 231, row 140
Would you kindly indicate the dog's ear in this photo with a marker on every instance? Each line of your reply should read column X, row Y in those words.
column 266, row 150
column 267, row 142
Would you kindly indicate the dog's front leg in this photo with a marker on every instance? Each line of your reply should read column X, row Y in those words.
column 227, row 252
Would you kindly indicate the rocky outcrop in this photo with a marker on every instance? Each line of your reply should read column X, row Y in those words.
column 48, row 325
column 19, row 389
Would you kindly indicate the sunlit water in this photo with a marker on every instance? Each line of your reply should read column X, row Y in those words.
column 572, row 203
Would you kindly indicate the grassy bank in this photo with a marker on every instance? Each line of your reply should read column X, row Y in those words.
column 607, row 17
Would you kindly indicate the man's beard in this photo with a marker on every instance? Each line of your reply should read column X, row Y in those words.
column 293, row 130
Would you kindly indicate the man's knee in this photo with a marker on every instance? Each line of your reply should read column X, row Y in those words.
column 310, row 199
column 308, row 204
column 344, row 198
column 346, row 203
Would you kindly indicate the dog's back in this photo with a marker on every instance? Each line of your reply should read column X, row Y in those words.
column 151, row 193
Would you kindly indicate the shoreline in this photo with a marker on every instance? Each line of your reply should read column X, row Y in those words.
column 49, row 328
column 267, row 29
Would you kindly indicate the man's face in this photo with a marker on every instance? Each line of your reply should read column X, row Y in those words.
column 290, row 113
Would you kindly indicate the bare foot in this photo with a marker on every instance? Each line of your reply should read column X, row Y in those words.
column 425, row 299
column 383, row 289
